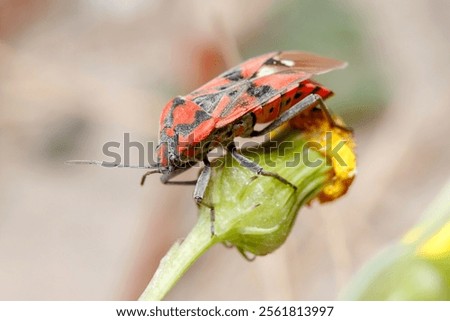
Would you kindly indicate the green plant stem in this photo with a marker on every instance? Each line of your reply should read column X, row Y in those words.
column 178, row 260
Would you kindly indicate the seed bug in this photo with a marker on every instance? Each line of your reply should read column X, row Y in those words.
column 272, row 88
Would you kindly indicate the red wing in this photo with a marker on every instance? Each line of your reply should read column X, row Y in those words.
column 256, row 82
column 232, row 77
column 279, row 74
column 254, row 94
column 268, row 64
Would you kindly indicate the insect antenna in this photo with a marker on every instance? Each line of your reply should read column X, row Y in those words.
column 115, row 165
column 106, row 164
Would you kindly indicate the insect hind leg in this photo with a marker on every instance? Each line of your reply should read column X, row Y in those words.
column 308, row 102
column 329, row 115
column 304, row 104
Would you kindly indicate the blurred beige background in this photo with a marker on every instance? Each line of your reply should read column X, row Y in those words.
column 76, row 74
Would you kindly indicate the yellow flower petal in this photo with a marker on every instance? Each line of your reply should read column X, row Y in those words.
column 438, row 246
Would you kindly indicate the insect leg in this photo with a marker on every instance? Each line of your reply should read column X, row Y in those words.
column 202, row 181
column 146, row 174
column 200, row 185
column 308, row 102
column 247, row 163
column 200, row 188
column 166, row 178
column 329, row 116
column 248, row 258
column 304, row 104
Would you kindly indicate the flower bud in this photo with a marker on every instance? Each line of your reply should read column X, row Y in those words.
column 255, row 213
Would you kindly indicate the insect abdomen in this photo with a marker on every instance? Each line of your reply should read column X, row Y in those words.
column 272, row 110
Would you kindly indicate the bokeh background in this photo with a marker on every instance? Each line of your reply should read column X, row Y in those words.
column 76, row 74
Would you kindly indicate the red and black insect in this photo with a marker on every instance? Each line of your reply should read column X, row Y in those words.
column 274, row 87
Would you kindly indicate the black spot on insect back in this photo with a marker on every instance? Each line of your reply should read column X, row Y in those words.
column 275, row 61
column 272, row 61
column 232, row 93
column 234, row 75
column 208, row 102
column 298, row 94
column 315, row 90
column 259, row 91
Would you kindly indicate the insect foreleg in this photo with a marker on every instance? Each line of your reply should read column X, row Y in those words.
column 166, row 178
column 202, row 182
column 254, row 167
column 200, row 188
column 146, row 174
